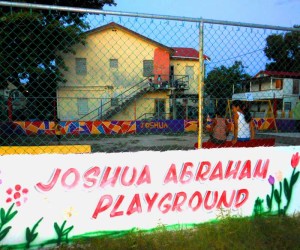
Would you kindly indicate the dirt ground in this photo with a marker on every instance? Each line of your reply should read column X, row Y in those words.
column 133, row 143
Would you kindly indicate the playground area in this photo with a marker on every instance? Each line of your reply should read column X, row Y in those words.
column 134, row 143
column 80, row 117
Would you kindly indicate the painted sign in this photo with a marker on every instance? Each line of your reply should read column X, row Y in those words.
column 50, row 199
column 249, row 96
column 160, row 126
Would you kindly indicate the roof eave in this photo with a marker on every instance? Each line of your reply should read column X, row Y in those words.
column 116, row 25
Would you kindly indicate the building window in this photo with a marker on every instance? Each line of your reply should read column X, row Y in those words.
column 113, row 63
column 81, row 68
column 148, row 68
column 82, row 105
column 296, row 86
column 287, row 106
column 189, row 71
column 160, row 109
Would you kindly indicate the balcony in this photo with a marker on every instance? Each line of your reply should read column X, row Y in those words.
column 257, row 95
column 177, row 82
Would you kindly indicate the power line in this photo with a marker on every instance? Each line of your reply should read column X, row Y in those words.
column 248, row 53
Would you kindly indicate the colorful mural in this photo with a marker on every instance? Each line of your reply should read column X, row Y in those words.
column 118, row 127
column 76, row 128
column 281, row 196
column 122, row 191
column 264, row 123
column 100, row 127
column 190, row 125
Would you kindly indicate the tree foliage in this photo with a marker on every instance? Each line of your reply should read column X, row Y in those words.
column 284, row 51
column 32, row 41
column 220, row 82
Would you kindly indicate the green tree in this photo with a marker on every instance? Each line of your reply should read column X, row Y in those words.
column 31, row 44
column 283, row 50
column 220, row 82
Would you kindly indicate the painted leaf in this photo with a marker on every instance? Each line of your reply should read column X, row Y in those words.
column 57, row 229
column 36, row 224
column 34, row 236
column 277, row 196
column 68, row 230
column 4, row 232
column 10, row 208
column 268, row 201
column 286, row 188
column 258, row 201
column 294, row 178
column 10, row 216
column 63, row 225
column 28, row 234
column 2, row 215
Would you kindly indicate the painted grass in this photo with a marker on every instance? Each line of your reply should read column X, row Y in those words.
column 272, row 232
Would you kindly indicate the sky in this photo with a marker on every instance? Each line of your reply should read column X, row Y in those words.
column 284, row 13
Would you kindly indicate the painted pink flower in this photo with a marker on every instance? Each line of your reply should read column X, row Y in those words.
column 279, row 176
column 271, row 180
column 17, row 195
column 295, row 160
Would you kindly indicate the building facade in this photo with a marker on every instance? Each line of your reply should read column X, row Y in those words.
column 282, row 89
column 119, row 74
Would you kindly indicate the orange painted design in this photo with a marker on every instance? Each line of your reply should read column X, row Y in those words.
column 264, row 124
column 190, row 125
column 161, row 64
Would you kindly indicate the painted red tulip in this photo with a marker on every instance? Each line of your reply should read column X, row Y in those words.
column 295, row 160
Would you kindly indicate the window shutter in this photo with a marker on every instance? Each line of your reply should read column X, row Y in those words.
column 83, row 107
column 81, row 67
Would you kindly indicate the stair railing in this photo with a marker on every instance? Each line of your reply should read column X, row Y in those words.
column 125, row 95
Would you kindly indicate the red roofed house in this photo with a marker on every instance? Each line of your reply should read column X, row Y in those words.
column 120, row 74
column 284, row 87
column 187, row 53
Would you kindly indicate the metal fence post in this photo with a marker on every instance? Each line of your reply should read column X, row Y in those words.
column 200, row 85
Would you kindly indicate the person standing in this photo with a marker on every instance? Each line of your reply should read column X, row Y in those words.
column 57, row 129
column 159, row 81
column 243, row 125
column 150, row 83
column 219, row 128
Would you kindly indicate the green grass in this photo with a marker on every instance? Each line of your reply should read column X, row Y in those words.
column 272, row 232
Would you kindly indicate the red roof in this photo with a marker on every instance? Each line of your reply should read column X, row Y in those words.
column 187, row 53
column 263, row 73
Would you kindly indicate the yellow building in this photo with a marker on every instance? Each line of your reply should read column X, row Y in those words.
column 122, row 75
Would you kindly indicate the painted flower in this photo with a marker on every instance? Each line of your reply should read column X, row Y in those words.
column 70, row 212
column 17, row 195
column 271, row 180
column 295, row 160
column 279, row 176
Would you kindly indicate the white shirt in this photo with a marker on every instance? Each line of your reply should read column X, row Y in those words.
column 243, row 127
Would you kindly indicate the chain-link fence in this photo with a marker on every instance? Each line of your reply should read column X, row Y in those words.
column 127, row 82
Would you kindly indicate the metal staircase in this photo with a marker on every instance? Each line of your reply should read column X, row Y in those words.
column 120, row 102
column 123, row 102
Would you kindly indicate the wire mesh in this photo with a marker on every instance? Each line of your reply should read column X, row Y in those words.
column 127, row 83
